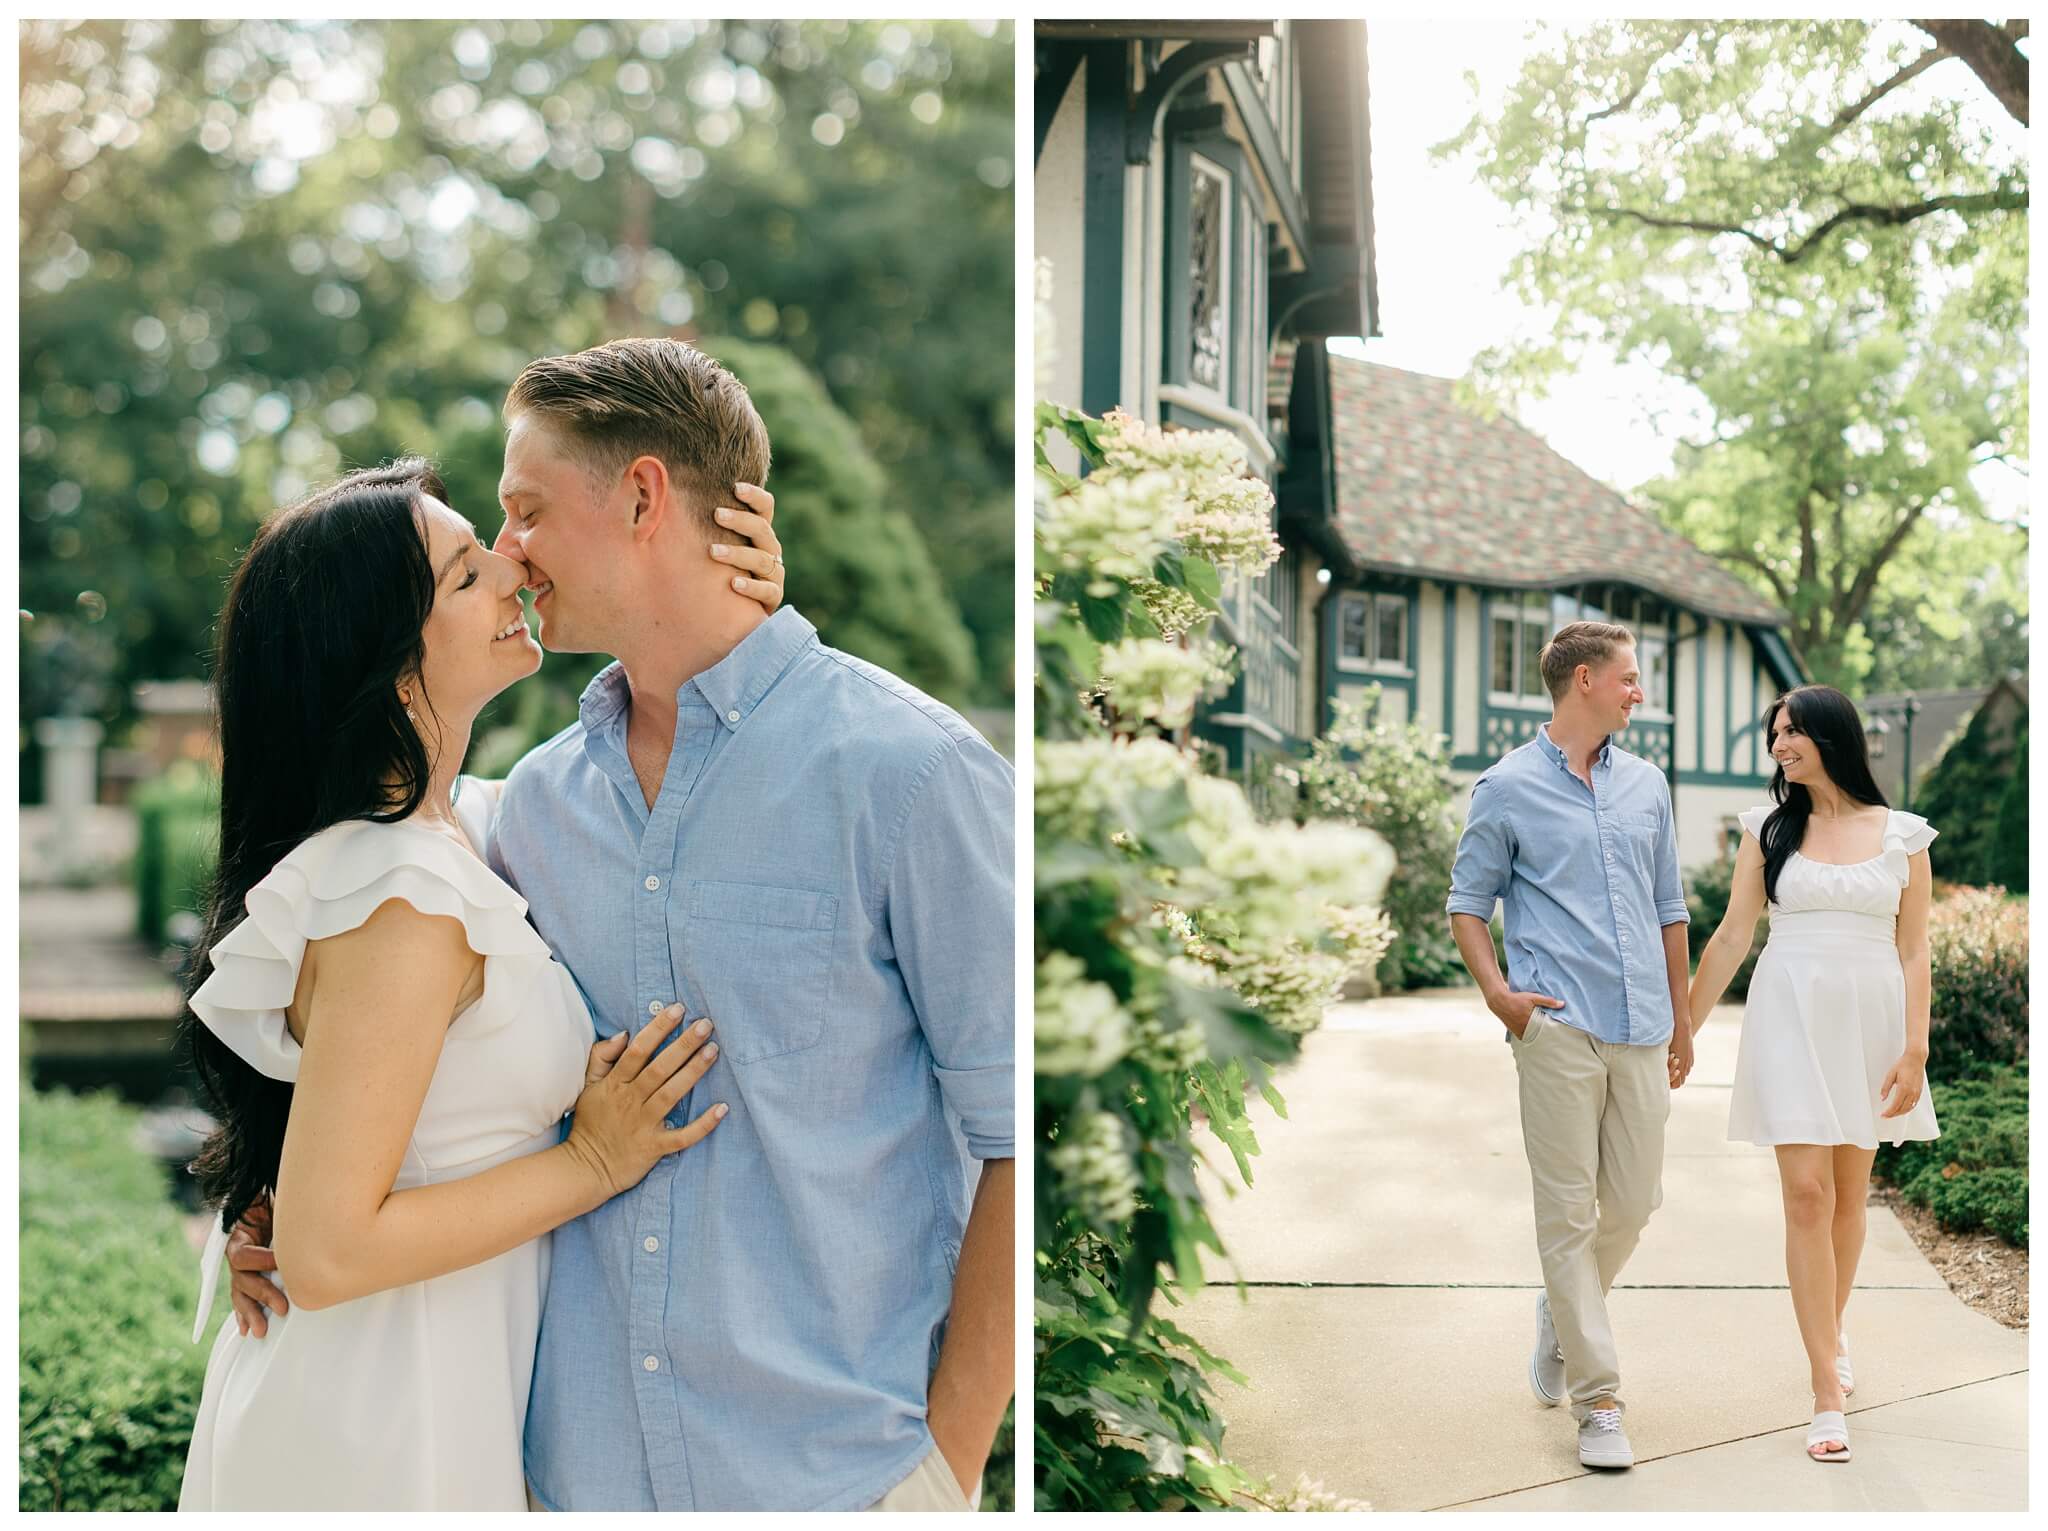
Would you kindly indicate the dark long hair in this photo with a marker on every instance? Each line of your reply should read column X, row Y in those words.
column 324, row 620
column 1830, row 721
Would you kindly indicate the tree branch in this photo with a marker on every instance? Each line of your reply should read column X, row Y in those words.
column 1993, row 55
column 1854, row 212
column 1925, row 61
column 1779, row 588
column 1866, row 579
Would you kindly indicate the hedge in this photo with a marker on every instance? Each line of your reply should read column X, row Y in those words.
column 110, row 1378
column 1977, row 955
column 1974, row 1176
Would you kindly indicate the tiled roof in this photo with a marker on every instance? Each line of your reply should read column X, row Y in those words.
column 1426, row 486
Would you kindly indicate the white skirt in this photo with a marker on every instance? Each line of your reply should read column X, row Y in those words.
column 1825, row 1022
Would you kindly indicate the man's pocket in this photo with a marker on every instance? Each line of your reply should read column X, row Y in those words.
column 930, row 1486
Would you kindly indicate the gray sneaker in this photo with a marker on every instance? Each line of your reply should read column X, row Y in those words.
column 1601, row 1441
column 1546, row 1361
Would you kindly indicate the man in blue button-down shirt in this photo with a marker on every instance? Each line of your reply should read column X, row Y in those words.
column 802, row 1312
column 1575, row 838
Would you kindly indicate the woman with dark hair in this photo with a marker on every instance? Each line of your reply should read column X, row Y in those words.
column 386, row 1044
column 1834, row 1034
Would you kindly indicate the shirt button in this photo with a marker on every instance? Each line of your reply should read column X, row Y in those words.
column 653, row 884
column 654, row 1007
column 649, row 1364
column 733, row 716
column 650, row 1243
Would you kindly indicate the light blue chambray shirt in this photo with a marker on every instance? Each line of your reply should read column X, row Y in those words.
column 827, row 872
column 1587, row 881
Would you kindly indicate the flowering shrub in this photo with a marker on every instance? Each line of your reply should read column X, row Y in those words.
column 1977, row 960
column 1182, row 948
column 1394, row 778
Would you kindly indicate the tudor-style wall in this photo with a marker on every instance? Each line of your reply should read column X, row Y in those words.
column 1721, row 687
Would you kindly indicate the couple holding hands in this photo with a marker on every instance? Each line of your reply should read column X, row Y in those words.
column 1575, row 838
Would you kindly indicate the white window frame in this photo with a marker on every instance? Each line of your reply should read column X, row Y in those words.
column 1659, row 634
column 1198, row 165
column 1523, row 616
column 1372, row 664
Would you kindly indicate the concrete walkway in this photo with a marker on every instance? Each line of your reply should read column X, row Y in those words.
column 1390, row 1255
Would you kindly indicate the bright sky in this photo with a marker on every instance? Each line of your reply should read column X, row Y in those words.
column 1443, row 242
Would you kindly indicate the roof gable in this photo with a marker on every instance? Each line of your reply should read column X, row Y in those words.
column 1426, row 486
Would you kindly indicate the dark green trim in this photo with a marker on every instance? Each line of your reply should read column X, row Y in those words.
column 1701, row 627
column 1265, row 144
column 1450, row 606
column 1056, row 64
column 1728, row 698
column 1102, row 251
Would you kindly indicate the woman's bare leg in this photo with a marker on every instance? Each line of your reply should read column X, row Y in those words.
column 1806, row 1179
column 1852, row 1199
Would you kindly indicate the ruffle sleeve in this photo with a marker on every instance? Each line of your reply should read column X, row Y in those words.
column 1752, row 819
column 1904, row 834
column 329, row 884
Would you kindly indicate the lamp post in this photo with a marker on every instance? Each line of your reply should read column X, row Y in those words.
column 1878, row 728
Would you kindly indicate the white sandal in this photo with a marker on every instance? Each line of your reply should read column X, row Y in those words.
column 1828, row 1425
column 1843, row 1374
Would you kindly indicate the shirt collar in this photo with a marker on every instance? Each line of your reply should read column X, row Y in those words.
column 1556, row 753
column 733, row 687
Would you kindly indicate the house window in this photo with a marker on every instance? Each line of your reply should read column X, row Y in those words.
column 1209, row 274
column 1515, row 677
column 1372, row 631
column 1649, row 619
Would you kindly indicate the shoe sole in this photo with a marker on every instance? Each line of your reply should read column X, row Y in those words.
column 1619, row 1462
column 1536, row 1387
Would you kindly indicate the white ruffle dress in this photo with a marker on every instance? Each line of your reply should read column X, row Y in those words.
column 1826, row 1017
column 412, row 1398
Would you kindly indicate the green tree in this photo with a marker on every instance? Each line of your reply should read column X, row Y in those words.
column 2007, row 863
column 1821, row 226
column 256, row 253
column 1964, row 796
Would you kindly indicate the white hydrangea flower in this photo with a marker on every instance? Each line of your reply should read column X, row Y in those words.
column 1111, row 526
column 1082, row 786
column 1096, row 1174
column 1173, row 611
column 1078, row 1026
column 1222, row 514
column 1161, row 682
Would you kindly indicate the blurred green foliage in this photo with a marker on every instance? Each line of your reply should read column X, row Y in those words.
column 177, row 836
column 109, row 1376
column 255, row 253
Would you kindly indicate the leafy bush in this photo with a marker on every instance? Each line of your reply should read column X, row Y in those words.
column 1182, row 947
column 1394, row 778
column 1975, row 1174
column 1977, row 957
column 1706, row 903
column 177, row 822
column 109, row 1377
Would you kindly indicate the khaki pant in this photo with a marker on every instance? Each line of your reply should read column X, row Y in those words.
column 1593, row 1117
column 931, row 1486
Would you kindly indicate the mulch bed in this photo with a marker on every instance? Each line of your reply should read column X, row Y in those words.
column 1980, row 1268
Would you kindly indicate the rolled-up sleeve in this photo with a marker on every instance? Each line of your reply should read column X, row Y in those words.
column 1670, row 890
column 952, row 892
column 1486, row 852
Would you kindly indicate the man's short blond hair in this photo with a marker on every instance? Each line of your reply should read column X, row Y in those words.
column 651, row 398
column 1575, row 644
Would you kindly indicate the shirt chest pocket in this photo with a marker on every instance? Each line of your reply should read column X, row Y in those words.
column 761, row 956
column 1634, row 836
